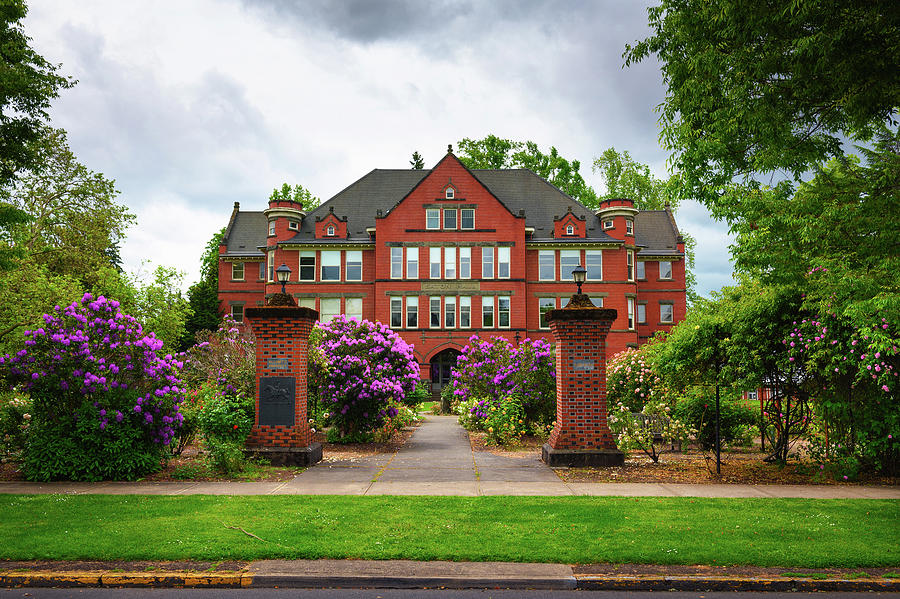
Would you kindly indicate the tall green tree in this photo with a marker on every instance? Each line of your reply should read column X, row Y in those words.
column 75, row 223
column 493, row 152
column 203, row 296
column 417, row 162
column 28, row 83
column 296, row 193
column 768, row 89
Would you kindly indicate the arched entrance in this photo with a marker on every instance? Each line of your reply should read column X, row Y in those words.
column 441, row 364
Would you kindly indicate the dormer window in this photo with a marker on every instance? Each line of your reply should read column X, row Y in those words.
column 608, row 224
column 330, row 231
column 570, row 230
column 293, row 225
column 449, row 193
column 271, row 227
column 629, row 226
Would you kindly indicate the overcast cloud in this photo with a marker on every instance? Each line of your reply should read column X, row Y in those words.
column 192, row 106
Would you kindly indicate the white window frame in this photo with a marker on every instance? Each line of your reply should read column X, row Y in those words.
column 357, row 301
column 270, row 260
column 543, row 255
column 396, row 262
column 327, row 257
column 597, row 301
column 465, row 307
column 450, row 312
column 641, row 318
column 412, row 263
column 452, row 225
column 352, row 255
column 449, row 262
column 434, row 300
column 412, row 312
column 432, row 216
column 326, row 313
column 630, row 313
column 237, row 271
column 487, row 262
column 669, row 277
column 271, row 228
column 306, row 302
column 503, row 258
column 609, row 224
column 306, row 267
column 396, row 307
column 500, row 311
column 598, row 254
column 449, row 193
column 434, row 262
column 330, row 231
column 465, row 263
column 570, row 254
column 640, row 270
column 488, row 302
column 629, row 264
column 570, row 230
column 462, row 214
column 629, row 226
column 671, row 314
column 545, row 304
column 237, row 312
column 293, row 225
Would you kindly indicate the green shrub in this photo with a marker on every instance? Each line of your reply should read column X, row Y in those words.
column 225, row 455
column 15, row 421
column 697, row 409
column 334, row 436
column 505, row 423
column 225, row 416
column 420, row 394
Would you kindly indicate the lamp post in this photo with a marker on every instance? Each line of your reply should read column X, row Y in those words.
column 579, row 273
column 283, row 273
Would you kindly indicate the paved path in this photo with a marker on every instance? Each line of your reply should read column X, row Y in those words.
column 438, row 460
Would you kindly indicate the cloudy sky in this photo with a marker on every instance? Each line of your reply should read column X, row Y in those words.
column 193, row 105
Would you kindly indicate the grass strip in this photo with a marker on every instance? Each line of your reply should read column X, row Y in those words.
column 808, row 533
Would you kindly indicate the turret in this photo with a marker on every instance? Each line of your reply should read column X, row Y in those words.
column 617, row 218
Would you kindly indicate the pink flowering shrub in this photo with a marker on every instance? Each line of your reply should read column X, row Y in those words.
column 632, row 379
column 361, row 370
column 492, row 376
column 106, row 402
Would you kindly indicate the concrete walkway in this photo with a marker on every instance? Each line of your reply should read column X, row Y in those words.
column 438, row 460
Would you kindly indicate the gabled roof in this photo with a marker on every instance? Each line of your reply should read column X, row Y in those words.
column 246, row 234
column 655, row 233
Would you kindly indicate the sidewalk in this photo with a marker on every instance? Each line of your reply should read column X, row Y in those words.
column 438, row 460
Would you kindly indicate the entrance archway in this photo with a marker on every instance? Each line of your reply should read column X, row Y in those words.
column 441, row 364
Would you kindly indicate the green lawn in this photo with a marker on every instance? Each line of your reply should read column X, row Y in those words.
column 765, row 532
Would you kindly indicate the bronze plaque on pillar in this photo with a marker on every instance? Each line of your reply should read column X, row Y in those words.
column 277, row 398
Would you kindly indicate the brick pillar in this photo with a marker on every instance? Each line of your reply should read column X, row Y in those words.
column 281, row 431
column 581, row 436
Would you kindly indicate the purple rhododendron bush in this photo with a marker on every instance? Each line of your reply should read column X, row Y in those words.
column 505, row 390
column 106, row 403
column 362, row 371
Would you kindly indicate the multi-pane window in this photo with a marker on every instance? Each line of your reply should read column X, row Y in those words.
column 412, row 312
column 467, row 218
column 503, row 312
column 641, row 268
column 307, row 302
column 271, row 263
column 630, row 313
column 465, row 312
column 547, row 265
column 353, row 307
column 449, row 312
column 503, row 263
column 593, row 262
column 487, row 263
column 629, row 262
column 271, row 227
column 354, row 265
column 545, row 304
column 597, row 301
column 570, row 230
column 642, row 313
column 666, row 313
column 568, row 260
column 237, row 312
column 237, row 271
column 629, row 226
column 450, row 193
column 434, row 262
column 396, row 312
column 412, row 263
column 262, row 271
column 435, row 312
column 293, row 225
column 665, row 269
column 608, row 224
column 307, row 266
column 487, row 312
column 449, row 218
column 449, row 263
column 465, row 263
column 432, row 218
column 396, row 263
column 331, row 266
column 329, row 308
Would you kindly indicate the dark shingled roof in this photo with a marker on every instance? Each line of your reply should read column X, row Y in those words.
column 518, row 189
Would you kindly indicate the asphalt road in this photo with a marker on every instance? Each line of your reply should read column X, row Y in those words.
column 38, row 593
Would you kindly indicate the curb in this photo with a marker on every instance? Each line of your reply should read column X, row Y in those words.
column 318, row 581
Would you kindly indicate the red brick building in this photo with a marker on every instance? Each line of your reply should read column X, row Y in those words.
column 445, row 253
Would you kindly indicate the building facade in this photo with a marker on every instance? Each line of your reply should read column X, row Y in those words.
column 442, row 254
